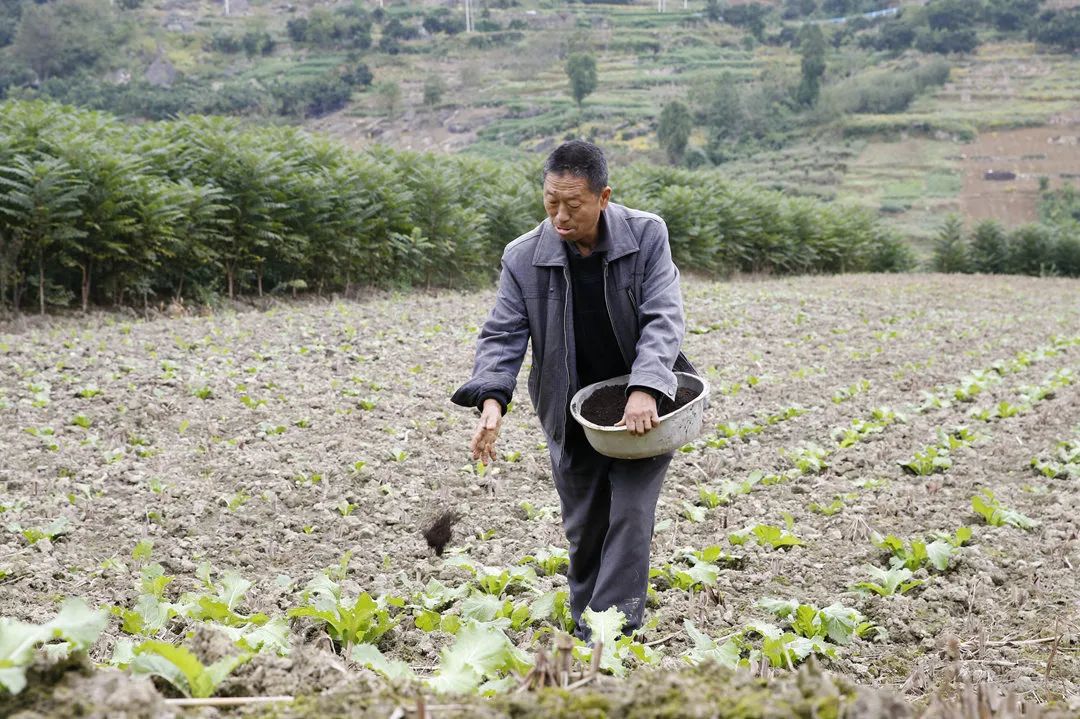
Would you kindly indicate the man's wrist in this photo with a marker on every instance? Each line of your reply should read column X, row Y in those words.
column 654, row 393
column 499, row 398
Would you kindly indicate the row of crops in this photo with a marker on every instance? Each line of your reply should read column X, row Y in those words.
column 94, row 210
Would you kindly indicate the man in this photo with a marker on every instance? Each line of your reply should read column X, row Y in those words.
column 594, row 288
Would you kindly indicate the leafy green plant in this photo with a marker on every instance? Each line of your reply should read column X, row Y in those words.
column 182, row 669
column 828, row 510
column 929, row 461
column 479, row 652
column 808, row 458
column 494, row 580
column 616, row 648
column 220, row 601
column 887, row 582
column 1064, row 462
column 361, row 620
column 57, row 528
column 846, row 393
column 837, row 623
column 775, row 537
column 987, row 506
column 549, row 561
column 75, row 625
column 707, row 649
column 916, row 553
column 538, row 513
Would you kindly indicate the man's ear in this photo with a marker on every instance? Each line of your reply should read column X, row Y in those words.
column 605, row 196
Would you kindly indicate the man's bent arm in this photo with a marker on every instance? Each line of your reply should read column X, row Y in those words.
column 500, row 348
column 660, row 312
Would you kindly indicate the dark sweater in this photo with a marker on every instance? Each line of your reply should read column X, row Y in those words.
column 598, row 356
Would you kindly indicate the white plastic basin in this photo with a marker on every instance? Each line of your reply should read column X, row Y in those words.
column 674, row 430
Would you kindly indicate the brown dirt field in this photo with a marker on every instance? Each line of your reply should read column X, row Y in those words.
column 1031, row 153
column 328, row 383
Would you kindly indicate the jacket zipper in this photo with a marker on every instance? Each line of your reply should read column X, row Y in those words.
column 566, row 334
column 607, row 306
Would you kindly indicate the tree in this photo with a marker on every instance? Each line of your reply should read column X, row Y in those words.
column 720, row 106
column 581, row 69
column 950, row 255
column 1031, row 251
column 388, row 93
column 434, row 87
column 41, row 205
column 1060, row 28
column 1011, row 15
column 673, row 132
column 62, row 37
column 989, row 251
column 812, row 49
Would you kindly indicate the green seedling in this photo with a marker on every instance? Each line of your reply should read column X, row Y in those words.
column 57, row 528
column 237, row 500
column 766, row 535
column 142, row 551
column 550, row 561
column 1065, row 461
column 917, row 554
column 76, row 627
column 808, row 458
column 362, row 620
column 828, row 510
column 204, row 393
column 220, row 601
column 182, row 669
column 693, row 513
column 987, row 506
column 494, row 580
column 836, row 623
column 538, row 513
column 889, row 581
column 929, row 461
column 707, row 649
column 480, row 652
column 846, row 393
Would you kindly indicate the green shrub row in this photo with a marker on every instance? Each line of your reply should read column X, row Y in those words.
column 1033, row 249
column 93, row 210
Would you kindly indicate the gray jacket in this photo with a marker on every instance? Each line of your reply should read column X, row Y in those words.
column 641, row 287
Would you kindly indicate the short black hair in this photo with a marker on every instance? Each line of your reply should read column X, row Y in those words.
column 580, row 158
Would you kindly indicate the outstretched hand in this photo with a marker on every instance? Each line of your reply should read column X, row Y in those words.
column 640, row 414
column 487, row 431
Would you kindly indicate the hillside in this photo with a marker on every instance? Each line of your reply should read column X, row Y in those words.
column 906, row 132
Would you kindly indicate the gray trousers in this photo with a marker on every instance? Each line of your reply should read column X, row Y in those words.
column 608, row 514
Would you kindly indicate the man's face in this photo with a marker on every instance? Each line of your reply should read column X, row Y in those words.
column 573, row 208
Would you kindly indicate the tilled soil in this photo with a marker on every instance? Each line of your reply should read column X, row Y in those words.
column 272, row 443
column 605, row 406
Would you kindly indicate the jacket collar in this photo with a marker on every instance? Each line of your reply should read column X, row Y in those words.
column 620, row 241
